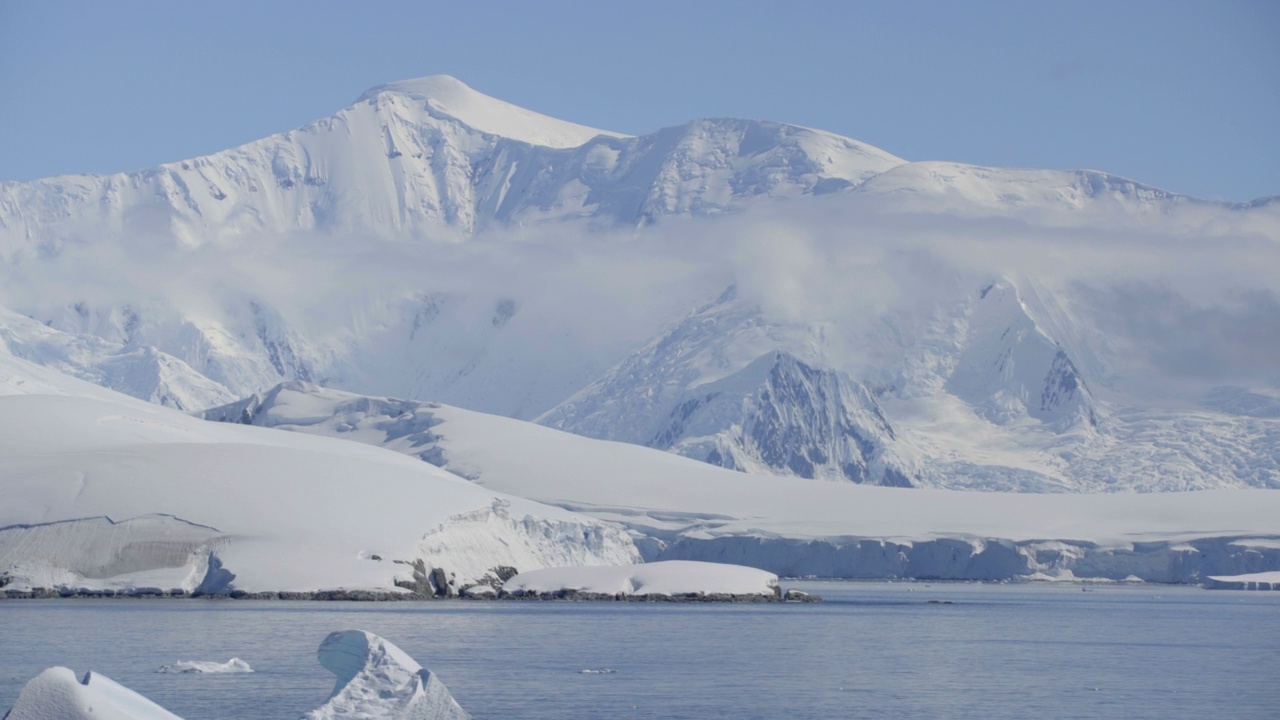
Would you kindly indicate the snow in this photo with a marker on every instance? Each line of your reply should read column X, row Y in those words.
column 376, row 679
column 1270, row 577
column 672, row 577
column 450, row 96
column 56, row 694
column 1016, row 329
column 142, row 372
column 679, row 508
column 1249, row 581
column 201, row 667
column 127, row 496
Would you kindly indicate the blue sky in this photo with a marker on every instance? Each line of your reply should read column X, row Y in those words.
column 1180, row 95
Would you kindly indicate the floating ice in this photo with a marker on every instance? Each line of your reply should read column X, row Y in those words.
column 234, row 665
column 376, row 679
column 56, row 694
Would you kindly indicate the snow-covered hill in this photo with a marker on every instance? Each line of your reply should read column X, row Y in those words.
column 110, row 493
column 702, row 391
column 683, row 509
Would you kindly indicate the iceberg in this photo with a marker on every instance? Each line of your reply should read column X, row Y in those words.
column 56, row 694
column 376, row 679
column 200, row 667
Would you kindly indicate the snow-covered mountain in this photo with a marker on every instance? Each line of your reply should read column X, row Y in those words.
column 420, row 156
column 701, row 390
column 902, row 323
column 140, row 371
column 1010, row 368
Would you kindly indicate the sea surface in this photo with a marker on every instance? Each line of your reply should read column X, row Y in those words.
column 872, row 650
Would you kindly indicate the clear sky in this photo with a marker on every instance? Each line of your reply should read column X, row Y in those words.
column 1180, row 95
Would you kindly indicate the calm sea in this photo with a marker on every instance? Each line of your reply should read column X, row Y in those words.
column 873, row 650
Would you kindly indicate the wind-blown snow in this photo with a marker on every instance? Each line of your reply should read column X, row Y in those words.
column 448, row 95
column 673, row 577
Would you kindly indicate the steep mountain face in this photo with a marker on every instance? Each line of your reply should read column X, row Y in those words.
column 724, row 386
column 138, row 370
column 1010, row 368
column 780, row 415
column 249, row 347
column 419, row 157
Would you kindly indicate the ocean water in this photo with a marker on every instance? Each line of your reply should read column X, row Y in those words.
column 873, row 650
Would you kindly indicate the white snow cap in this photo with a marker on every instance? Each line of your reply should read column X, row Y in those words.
column 452, row 97
column 376, row 679
column 56, row 694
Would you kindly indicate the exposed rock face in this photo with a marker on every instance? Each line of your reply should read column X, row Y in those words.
column 781, row 415
column 718, row 387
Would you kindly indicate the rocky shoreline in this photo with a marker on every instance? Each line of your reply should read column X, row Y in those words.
column 567, row 595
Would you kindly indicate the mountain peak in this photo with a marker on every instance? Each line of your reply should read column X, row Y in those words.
column 448, row 95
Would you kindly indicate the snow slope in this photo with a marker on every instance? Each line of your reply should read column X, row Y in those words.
column 683, row 509
column 140, row 371
column 701, row 390
column 132, row 497
column 422, row 155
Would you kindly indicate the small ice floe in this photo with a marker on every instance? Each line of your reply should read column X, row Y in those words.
column 185, row 667
column 601, row 671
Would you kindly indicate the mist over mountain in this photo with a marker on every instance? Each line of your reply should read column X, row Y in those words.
column 889, row 322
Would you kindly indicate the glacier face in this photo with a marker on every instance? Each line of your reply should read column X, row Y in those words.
column 433, row 243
